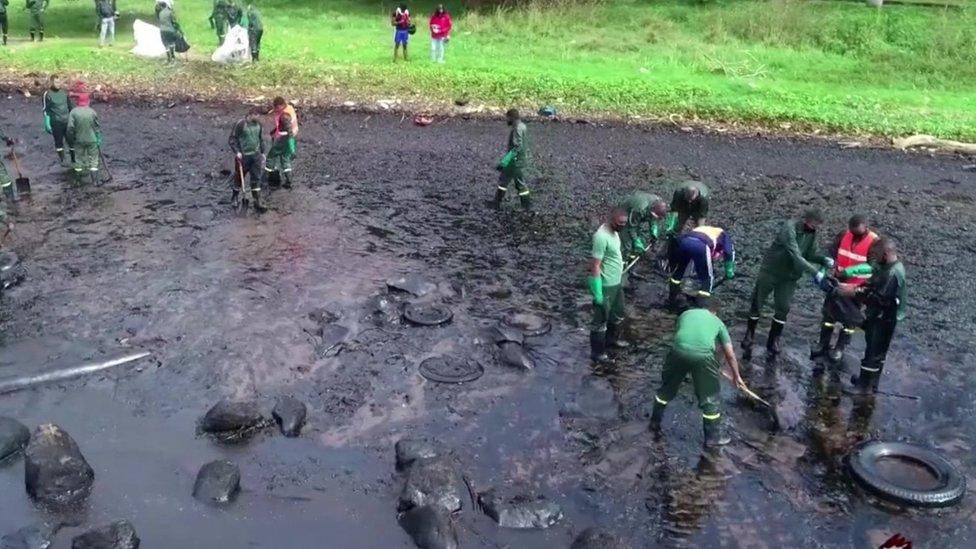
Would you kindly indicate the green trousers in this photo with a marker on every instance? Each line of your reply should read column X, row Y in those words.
column 704, row 370
column 4, row 176
column 86, row 157
column 782, row 291
column 513, row 174
column 280, row 156
column 611, row 312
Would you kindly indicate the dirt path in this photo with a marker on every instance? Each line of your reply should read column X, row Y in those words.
column 233, row 305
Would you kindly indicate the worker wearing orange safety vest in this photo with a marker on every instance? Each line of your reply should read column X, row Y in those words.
column 283, row 146
column 851, row 248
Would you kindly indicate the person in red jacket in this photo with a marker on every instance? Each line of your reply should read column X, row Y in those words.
column 440, row 33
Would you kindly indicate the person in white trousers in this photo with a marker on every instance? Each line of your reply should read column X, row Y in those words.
column 106, row 13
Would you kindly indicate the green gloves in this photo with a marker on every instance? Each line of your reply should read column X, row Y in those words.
column 671, row 223
column 98, row 139
column 291, row 147
column 596, row 288
column 507, row 159
column 655, row 231
column 857, row 270
column 47, row 123
column 730, row 270
column 639, row 246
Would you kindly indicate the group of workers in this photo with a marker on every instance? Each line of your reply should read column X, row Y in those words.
column 862, row 278
column 227, row 14
column 71, row 121
column 36, row 10
column 248, row 144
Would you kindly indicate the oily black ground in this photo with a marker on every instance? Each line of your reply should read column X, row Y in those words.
column 286, row 304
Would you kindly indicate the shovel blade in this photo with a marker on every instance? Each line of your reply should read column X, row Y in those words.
column 23, row 185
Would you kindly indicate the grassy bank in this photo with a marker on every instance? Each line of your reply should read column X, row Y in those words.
column 837, row 66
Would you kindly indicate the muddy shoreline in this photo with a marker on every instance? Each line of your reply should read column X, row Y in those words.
column 233, row 305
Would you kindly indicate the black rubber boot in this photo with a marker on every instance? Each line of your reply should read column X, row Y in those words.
column 32, row 37
column 5, row 40
column 258, row 207
column 71, row 153
column 749, row 338
column 60, row 156
column 234, row 195
column 838, row 351
column 674, row 290
column 287, row 181
column 93, row 177
column 657, row 415
column 862, row 384
column 823, row 345
column 714, row 434
column 775, row 331
column 40, row 36
column 613, row 337
column 526, row 202
column 598, row 347
column 496, row 204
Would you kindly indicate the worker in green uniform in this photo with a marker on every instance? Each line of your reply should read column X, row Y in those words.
column 6, row 184
column 255, row 30
column 698, row 333
column 169, row 29
column 605, row 286
column 218, row 20
column 247, row 142
column 3, row 21
column 57, row 105
column 283, row 145
column 86, row 136
column 36, row 8
column 233, row 13
column 645, row 215
column 792, row 254
column 688, row 202
column 884, row 298
column 512, row 165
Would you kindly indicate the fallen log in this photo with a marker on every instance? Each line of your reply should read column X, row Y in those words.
column 928, row 141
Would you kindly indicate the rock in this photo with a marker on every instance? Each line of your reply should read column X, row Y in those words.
column 410, row 450
column 431, row 482
column 232, row 417
column 54, row 470
column 502, row 333
column 596, row 538
column 382, row 310
column 290, row 414
column 520, row 511
column 513, row 354
column 37, row 536
column 217, row 482
column 596, row 399
column 13, row 437
column 118, row 535
column 430, row 528
column 412, row 284
column 333, row 335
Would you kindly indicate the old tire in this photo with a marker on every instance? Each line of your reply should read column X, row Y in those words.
column 863, row 464
column 427, row 315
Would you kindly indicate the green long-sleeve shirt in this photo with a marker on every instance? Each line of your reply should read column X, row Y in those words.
column 885, row 294
column 57, row 105
column 3, row 5
column 697, row 208
column 517, row 145
column 793, row 253
column 254, row 23
column 37, row 6
column 83, row 126
column 247, row 137
column 639, row 206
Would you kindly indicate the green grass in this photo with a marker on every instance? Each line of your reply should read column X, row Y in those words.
column 833, row 66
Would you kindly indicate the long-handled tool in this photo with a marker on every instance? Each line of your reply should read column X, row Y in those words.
column 108, row 172
column 21, row 184
column 3, row 239
column 239, row 169
column 747, row 390
column 9, row 385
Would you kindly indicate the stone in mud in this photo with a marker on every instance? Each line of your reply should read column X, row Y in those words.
column 596, row 399
column 55, row 472
column 217, row 482
column 513, row 354
column 231, row 416
column 431, row 482
column 290, row 414
column 37, row 536
column 13, row 437
column 333, row 335
column 118, row 535
column 596, row 538
column 411, row 450
column 502, row 333
column 382, row 310
column 521, row 511
column 412, row 284
column 429, row 527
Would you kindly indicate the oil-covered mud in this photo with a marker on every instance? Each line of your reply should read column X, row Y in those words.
column 296, row 302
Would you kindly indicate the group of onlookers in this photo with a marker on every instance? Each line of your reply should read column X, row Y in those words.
column 440, row 31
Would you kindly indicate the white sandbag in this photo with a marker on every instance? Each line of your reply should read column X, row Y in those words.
column 235, row 49
column 149, row 42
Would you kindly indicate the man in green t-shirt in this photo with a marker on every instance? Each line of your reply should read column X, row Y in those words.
column 645, row 215
column 606, row 273
column 693, row 352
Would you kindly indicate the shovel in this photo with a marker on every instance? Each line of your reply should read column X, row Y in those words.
column 108, row 172
column 747, row 390
column 21, row 184
column 239, row 170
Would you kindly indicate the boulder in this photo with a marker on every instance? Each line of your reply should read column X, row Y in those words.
column 431, row 482
column 37, row 536
column 232, row 417
column 520, row 511
column 55, row 472
column 13, row 437
column 410, row 450
column 217, row 482
column 290, row 414
column 429, row 527
column 513, row 354
column 597, row 538
column 118, row 535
